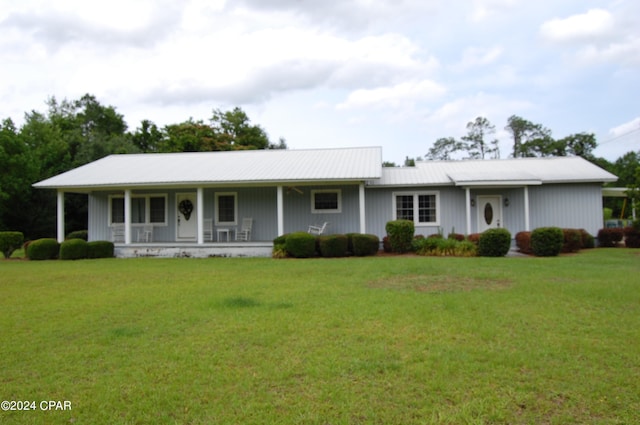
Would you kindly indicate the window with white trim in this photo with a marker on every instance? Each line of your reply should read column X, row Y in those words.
column 326, row 201
column 423, row 208
column 145, row 209
column 226, row 208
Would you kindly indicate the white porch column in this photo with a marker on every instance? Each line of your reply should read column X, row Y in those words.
column 200, row 214
column 127, row 216
column 527, row 226
column 60, row 212
column 363, row 224
column 280, row 207
column 467, row 198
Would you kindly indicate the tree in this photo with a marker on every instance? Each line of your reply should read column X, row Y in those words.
column 443, row 148
column 234, row 131
column 526, row 134
column 580, row 144
column 148, row 137
column 474, row 141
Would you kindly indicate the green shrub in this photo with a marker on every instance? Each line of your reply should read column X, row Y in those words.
column 333, row 245
column 100, row 249
column 547, row 241
column 632, row 235
column 523, row 242
column 9, row 242
column 466, row 248
column 43, row 249
column 364, row 244
column 79, row 234
column 588, row 241
column 572, row 240
column 300, row 245
column 73, row 249
column 610, row 237
column 400, row 234
column 386, row 245
column 494, row 243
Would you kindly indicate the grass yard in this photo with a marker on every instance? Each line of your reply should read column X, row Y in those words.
column 391, row 340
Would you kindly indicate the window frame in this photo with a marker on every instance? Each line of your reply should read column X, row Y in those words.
column 147, row 209
column 336, row 210
column 416, row 206
column 217, row 209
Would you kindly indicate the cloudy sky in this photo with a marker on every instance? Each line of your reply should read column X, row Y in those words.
column 329, row 73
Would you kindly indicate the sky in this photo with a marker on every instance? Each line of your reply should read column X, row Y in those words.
column 336, row 73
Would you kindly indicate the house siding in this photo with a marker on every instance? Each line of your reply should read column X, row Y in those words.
column 576, row 206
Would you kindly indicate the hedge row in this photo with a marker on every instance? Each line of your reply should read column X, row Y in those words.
column 71, row 249
column 612, row 237
column 304, row 245
column 551, row 241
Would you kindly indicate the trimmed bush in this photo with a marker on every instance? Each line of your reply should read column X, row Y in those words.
column 300, row 245
column 333, row 245
column 43, row 249
column 400, row 234
column 100, row 249
column 457, row 236
column 279, row 248
column 9, row 242
column 588, row 241
column 474, row 238
column 523, row 242
column 79, row 234
column 609, row 237
column 364, row 244
column 632, row 235
column 73, row 249
column 386, row 245
column 547, row 241
column 572, row 240
column 494, row 243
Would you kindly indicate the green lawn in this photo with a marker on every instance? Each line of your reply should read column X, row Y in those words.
column 390, row 340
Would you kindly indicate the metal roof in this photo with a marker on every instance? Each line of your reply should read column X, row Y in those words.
column 235, row 167
column 497, row 172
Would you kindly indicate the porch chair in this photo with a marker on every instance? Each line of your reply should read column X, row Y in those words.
column 145, row 234
column 207, row 229
column 318, row 230
column 244, row 234
column 117, row 233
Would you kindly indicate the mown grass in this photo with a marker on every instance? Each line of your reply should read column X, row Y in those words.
column 393, row 340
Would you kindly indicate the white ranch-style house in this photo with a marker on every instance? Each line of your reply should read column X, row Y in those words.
column 236, row 203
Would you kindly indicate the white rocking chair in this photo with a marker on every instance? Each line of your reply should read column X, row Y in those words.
column 244, row 234
column 207, row 229
column 318, row 230
column 145, row 234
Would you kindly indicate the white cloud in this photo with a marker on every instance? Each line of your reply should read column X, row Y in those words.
column 400, row 95
column 485, row 9
column 626, row 128
column 596, row 25
column 473, row 57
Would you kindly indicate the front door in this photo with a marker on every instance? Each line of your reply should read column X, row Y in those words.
column 489, row 212
column 187, row 219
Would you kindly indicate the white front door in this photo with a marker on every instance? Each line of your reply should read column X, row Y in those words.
column 489, row 212
column 186, row 217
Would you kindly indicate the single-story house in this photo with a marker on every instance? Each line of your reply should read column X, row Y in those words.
column 195, row 203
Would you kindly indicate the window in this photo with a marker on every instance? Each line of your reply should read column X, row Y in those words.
column 326, row 201
column 226, row 208
column 421, row 207
column 145, row 209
